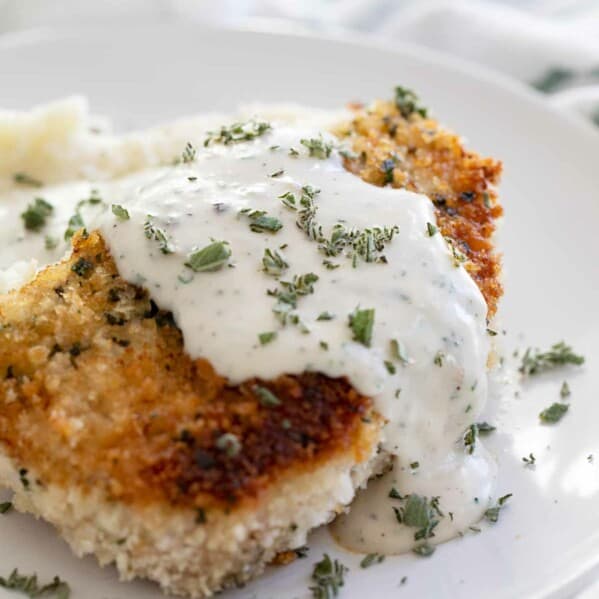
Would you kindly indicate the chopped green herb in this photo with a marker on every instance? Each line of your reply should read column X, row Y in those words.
column 530, row 460
column 408, row 102
column 553, row 79
column 390, row 367
column 307, row 214
column 237, row 132
column 304, row 329
column 266, row 397
column 565, row 390
column 424, row 550
column 330, row 265
column 369, row 243
column 34, row 218
column 189, row 154
column 398, row 351
column 415, row 465
column 353, row 243
column 288, row 200
column 328, row 577
column 75, row 224
column 492, row 514
column 76, row 221
column 5, row 507
column 264, row 223
column 553, row 413
column 260, row 222
column 151, row 231
column 484, row 428
column 324, row 345
column 302, row 552
column 534, row 361
column 278, row 173
column 210, row 258
column 317, row 148
column 470, row 437
column 388, row 166
column 372, row 559
column 420, row 513
column 491, row 333
column 361, row 323
column 394, row 494
column 93, row 200
column 301, row 284
column 229, row 444
column 83, row 267
column 457, row 256
column 24, row 179
column 431, row 229
column 28, row 585
column 438, row 360
column 325, row 316
column 287, row 297
column 120, row 212
column 273, row 263
column 266, row 338
column 293, row 152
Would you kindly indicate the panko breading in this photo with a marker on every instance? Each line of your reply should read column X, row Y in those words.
column 150, row 459
column 98, row 396
column 414, row 152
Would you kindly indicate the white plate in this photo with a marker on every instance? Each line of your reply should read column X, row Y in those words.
column 547, row 542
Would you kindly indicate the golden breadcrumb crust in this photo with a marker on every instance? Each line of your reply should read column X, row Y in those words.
column 416, row 153
column 96, row 391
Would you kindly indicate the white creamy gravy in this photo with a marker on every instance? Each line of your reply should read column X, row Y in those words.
column 420, row 298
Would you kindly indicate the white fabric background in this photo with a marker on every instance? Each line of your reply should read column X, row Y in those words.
column 521, row 37
column 555, row 42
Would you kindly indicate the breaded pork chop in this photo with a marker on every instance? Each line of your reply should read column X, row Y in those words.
column 147, row 458
column 141, row 455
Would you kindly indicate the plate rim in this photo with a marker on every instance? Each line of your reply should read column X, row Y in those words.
column 275, row 28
